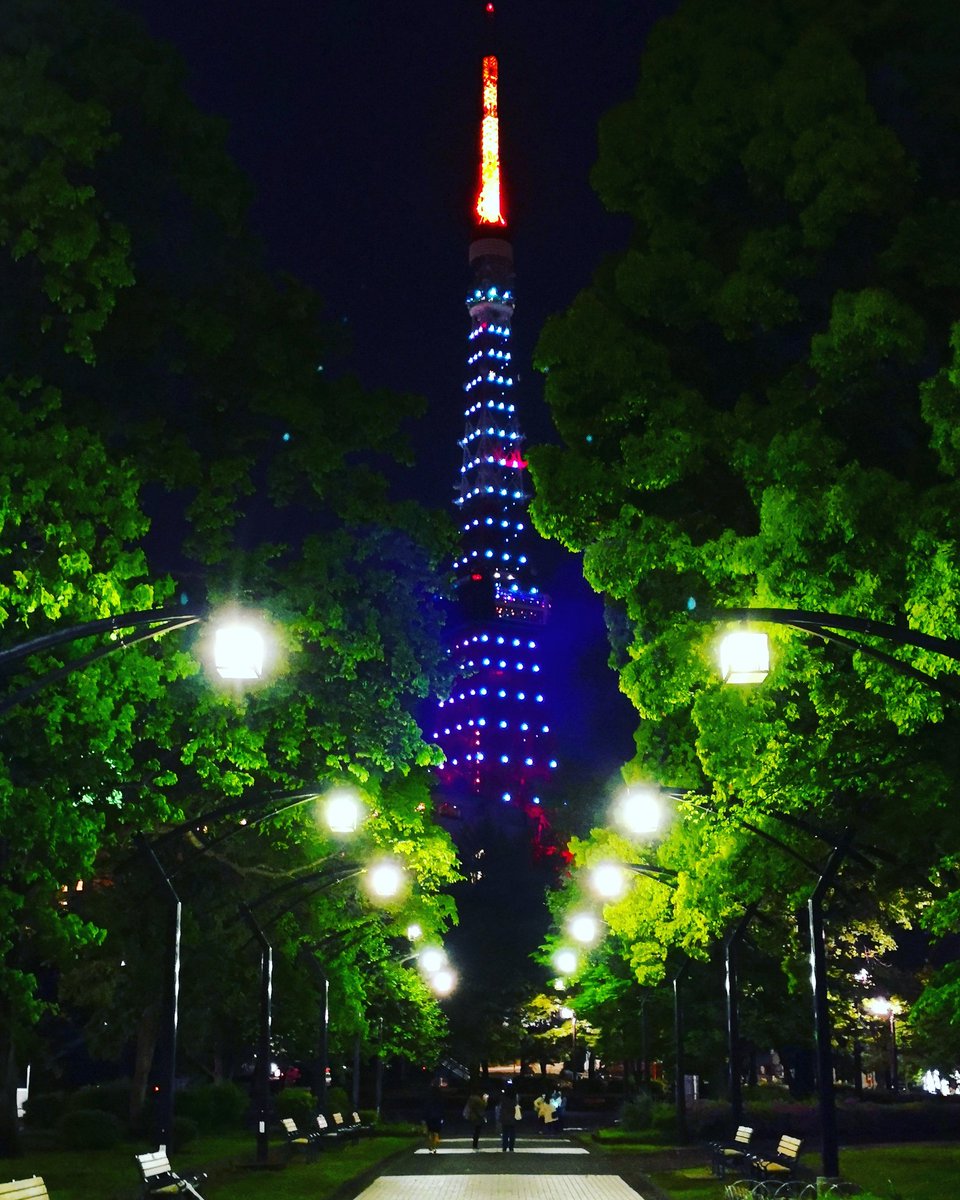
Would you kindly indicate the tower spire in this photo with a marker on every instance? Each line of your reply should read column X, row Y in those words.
column 489, row 207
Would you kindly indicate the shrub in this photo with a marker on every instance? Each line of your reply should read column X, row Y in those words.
column 183, row 1131
column 368, row 1116
column 637, row 1113
column 708, row 1119
column 104, row 1097
column 89, row 1129
column 44, row 1109
column 297, row 1103
column 215, row 1107
column 337, row 1100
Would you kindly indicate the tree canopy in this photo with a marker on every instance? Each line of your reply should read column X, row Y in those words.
column 179, row 428
column 758, row 403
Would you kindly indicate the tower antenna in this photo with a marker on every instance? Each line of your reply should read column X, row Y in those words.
column 489, row 208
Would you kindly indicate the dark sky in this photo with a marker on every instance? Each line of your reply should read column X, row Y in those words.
column 357, row 122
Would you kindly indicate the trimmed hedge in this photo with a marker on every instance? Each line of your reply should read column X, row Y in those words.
column 44, row 1109
column 937, row 1119
column 297, row 1103
column 215, row 1107
column 337, row 1101
column 89, row 1129
column 104, row 1097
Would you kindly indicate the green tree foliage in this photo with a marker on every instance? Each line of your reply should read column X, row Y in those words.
column 177, row 423
column 758, row 404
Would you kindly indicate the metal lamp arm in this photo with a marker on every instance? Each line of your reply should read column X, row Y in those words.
column 58, row 637
column 78, row 664
column 865, row 626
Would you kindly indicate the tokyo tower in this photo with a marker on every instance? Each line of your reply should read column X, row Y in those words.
column 493, row 726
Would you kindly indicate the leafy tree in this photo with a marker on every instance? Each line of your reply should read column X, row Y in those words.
column 757, row 401
column 179, row 424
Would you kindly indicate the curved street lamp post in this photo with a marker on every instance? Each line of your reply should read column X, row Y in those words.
column 171, row 973
column 239, row 652
column 745, row 658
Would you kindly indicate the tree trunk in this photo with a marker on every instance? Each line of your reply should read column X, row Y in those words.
column 10, row 1146
column 146, row 1046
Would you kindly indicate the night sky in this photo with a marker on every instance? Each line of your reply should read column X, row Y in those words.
column 357, row 122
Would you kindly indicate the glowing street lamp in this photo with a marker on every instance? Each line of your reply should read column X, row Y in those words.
column 238, row 645
column 608, row 880
column 565, row 961
column 385, row 879
column 414, row 932
column 342, row 810
column 238, row 651
column 443, row 982
column 880, row 1006
column 584, row 928
column 639, row 809
column 432, row 959
column 744, row 656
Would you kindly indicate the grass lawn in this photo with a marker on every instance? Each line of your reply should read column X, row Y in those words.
column 913, row 1171
column 906, row 1171
column 113, row 1174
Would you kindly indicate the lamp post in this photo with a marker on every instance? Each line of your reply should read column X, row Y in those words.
column 840, row 848
column 239, row 648
column 239, row 653
column 608, row 880
column 385, row 882
column 731, row 945
column 745, row 657
column 171, row 974
column 879, row 1006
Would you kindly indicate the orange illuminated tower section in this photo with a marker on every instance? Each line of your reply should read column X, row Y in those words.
column 494, row 727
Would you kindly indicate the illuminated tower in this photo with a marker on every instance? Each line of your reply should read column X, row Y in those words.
column 493, row 727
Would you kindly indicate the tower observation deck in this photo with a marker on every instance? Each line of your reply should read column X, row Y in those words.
column 494, row 726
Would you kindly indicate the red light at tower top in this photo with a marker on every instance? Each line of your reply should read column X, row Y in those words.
column 489, row 203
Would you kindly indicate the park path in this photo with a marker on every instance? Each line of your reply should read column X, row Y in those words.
column 544, row 1167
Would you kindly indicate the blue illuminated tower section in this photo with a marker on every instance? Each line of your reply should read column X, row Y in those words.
column 494, row 727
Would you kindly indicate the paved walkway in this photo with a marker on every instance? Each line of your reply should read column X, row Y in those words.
column 542, row 1167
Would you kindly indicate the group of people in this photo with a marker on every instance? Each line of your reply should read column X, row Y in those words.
column 507, row 1113
column 550, row 1109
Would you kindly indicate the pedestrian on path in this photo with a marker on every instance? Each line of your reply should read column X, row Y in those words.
column 433, row 1117
column 475, row 1112
column 508, row 1114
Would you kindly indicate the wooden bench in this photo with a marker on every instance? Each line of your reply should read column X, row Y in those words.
column 358, row 1125
column 349, row 1130
column 160, row 1179
column 782, row 1163
column 305, row 1143
column 724, row 1154
column 24, row 1189
column 326, row 1132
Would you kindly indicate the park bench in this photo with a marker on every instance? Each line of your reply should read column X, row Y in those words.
column 347, row 1131
column 160, row 1179
column 305, row 1142
column 724, row 1155
column 326, row 1132
column 782, row 1163
column 24, row 1189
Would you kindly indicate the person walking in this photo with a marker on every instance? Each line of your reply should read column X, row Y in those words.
column 475, row 1112
column 433, row 1117
column 508, row 1114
